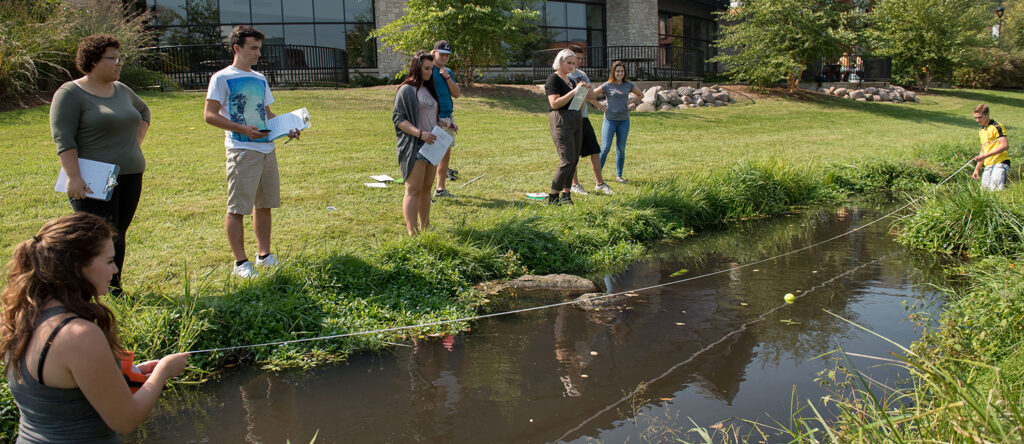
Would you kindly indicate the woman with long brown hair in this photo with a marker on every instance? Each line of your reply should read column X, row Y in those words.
column 616, row 116
column 59, row 342
column 415, row 115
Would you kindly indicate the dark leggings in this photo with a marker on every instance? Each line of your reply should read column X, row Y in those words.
column 119, row 211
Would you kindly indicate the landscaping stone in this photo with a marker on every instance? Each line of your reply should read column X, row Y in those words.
column 556, row 286
column 646, row 108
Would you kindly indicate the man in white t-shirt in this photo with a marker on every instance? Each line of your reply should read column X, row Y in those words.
column 238, row 101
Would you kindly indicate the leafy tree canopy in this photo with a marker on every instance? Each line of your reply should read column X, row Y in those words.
column 769, row 40
column 482, row 32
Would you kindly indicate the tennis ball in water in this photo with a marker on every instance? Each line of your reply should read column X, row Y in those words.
column 789, row 298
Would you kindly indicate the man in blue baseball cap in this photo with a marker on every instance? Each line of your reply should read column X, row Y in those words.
column 447, row 89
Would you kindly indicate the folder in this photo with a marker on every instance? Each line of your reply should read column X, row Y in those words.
column 99, row 176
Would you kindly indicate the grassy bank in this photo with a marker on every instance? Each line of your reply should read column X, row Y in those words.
column 351, row 269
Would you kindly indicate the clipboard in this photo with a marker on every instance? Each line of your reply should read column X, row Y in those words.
column 100, row 177
column 580, row 99
column 281, row 124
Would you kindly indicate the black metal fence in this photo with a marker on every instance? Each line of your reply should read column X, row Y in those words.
column 642, row 62
column 283, row 65
column 876, row 69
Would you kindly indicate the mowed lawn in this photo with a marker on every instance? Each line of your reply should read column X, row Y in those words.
column 504, row 134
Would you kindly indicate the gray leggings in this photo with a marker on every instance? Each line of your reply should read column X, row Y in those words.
column 567, row 133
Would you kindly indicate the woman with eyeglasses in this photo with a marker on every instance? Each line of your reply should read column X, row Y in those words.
column 96, row 117
column 415, row 115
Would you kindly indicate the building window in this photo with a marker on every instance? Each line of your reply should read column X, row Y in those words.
column 685, row 39
column 342, row 24
column 572, row 23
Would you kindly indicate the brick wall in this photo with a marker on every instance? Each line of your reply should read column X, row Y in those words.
column 632, row 22
column 389, row 62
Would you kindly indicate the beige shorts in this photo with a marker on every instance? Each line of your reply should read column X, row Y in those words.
column 446, row 124
column 252, row 181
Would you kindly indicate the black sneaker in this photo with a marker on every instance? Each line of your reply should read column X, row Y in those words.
column 553, row 199
column 566, row 199
column 443, row 193
column 453, row 174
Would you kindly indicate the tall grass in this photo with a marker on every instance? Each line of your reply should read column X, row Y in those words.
column 966, row 220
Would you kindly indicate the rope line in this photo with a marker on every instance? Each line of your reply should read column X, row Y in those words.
column 574, row 301
column 712, row 345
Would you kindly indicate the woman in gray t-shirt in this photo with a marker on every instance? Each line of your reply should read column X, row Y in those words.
column 616, row 119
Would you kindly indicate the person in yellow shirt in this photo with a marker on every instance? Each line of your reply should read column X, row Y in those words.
column 993, row 155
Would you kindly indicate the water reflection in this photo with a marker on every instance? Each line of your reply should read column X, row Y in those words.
column 564, row 372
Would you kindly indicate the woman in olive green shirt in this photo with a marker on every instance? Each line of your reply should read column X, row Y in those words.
column 98, row 118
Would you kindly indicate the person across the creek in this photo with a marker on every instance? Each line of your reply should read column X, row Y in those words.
column 59, row 341
column 447, row 89
column 994, row 154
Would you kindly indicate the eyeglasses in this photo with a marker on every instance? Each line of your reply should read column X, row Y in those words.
column 117, row 60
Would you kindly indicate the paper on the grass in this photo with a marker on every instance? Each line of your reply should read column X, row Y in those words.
column 434, row 152
column 376, row 184
column 579, row 99
column 281, row 124
column 382, row 178
column 537, row 196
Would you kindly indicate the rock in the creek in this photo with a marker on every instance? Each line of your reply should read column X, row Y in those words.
column 548, row 286
column 645, row 108
column 598, row 301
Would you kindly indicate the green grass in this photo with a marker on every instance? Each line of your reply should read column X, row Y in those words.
column 352, row 268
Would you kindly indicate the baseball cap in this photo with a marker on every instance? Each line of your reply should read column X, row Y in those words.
column 443, row 47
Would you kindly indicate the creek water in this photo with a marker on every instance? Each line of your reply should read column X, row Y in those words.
column 569, row 374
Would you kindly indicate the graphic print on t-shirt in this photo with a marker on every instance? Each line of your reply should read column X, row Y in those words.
column 245, row 105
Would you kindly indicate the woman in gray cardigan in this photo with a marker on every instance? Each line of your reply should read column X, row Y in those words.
column 412, row 113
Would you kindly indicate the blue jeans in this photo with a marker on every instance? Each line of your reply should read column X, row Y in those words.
column 620, row 130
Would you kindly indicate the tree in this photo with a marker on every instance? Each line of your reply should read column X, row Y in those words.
column 927, row 38
column 482, row 32
column 768, row 40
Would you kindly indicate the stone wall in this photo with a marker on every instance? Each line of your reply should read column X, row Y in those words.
column 632, row 22
column 389, row 62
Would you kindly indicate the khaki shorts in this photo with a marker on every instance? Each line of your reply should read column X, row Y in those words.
column 252, row 181
column 445, row 123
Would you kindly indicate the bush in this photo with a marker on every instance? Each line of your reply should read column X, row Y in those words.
column 38, row 40
column 137, row 77
column 966, row 220
column 992, row 68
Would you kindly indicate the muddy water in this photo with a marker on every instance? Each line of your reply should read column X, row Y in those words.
column 563, row 374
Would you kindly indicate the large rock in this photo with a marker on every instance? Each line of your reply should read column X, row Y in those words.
column 674, row 99
column 598, row 301
column 883, row 95
column 724, row 97
column 871, row 90
column 556, row 286
column 857, row 94
column 645, row 108
column 664, row 97
column 666, row 107
column 910, row 96
column 682, row 106
column 632, row 106
column 700, row 102
column 839, row 92
column 651, row 95
column 684, row 91
column 687, row 100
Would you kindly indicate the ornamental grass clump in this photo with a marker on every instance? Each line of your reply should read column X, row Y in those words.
column 966, row 220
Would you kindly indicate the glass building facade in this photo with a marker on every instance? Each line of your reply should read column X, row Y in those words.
column 343, row 24
column 690, row 33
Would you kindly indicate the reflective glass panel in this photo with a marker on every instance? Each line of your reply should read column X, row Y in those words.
column 331, row 36
column 266, row 11
column 234, row 11
column 359, row 10
column 299, row 35
column 170, row 12
column 576, row 15
column 361, row 52
column 577, row 35
column 298, row 11
column 203, row 12
column 595, row 16
column 555, row 14
column 328, row 11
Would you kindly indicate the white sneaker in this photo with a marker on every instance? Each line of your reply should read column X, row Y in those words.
column 578, row 189
column 245, row 271
column 604, row 188
column 269, row 261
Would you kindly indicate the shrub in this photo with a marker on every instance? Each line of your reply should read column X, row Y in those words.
column 992, row 68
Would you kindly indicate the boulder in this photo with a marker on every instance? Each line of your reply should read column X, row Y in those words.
column 839, row 92
column 632, row 106
column 664, row 97
column 687, row 100
column 862, row 99
column 556, row 286
column 716, row 88
column 869, row 97
column 597, row 301
column 700, row 102
column 857, row 94
column 910, row 96
column 651, row 95
column 666, row 107
column 682, row 106
column 708, row 97
column 732, row 100
column 871, row 90
column 674, row 99
column 723, row 97
column 684, row 91
column 645, row 108
column 830, row 90
column 883, row 95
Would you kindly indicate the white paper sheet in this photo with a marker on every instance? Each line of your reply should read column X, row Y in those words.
column 375, row 184
column 434, row 152
column 579, row 99
column 281, row 124
column 100, row 177
column 382, row 178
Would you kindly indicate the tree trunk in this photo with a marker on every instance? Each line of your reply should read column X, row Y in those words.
column 793, row 81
